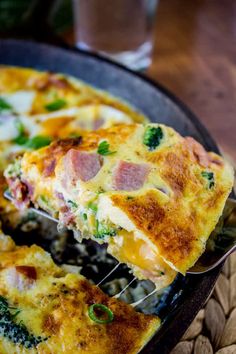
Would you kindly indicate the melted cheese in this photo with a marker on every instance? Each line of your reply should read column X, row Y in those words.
column 131, row 247
column 21, row 101
column 8, row 128
column 136, row 253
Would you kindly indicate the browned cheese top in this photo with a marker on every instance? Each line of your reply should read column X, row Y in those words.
column 55, row 305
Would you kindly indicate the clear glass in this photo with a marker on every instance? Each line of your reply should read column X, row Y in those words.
column 119, row 29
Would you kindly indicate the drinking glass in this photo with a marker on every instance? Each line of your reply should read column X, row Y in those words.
column 119, row 29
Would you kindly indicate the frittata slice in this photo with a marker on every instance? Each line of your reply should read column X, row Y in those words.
column 149, row 193
column 43, row 310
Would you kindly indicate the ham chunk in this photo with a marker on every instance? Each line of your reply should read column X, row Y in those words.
column 49, row 80
column 21, row 277
column 49, row 167
column 98, row 123
column 130, row 176
column 21, row 191
column 198, row 151
column 82, row 165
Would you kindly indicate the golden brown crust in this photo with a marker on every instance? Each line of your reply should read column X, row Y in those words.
column 173, row 236
column 61, row 303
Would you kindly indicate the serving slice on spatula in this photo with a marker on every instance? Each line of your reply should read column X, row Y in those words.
column 153, row 196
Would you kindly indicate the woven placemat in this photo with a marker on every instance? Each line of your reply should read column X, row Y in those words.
column 213, row 330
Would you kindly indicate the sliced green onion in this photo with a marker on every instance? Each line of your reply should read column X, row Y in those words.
column 55, row 105
column 19, row 126
column 4, row 105
column 38, row 141
column 21, row 138
column 74, row 135
column 103, row 149
column 93, row 207
column 104, row 310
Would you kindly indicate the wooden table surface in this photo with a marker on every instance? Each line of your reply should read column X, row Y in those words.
column 195, row 57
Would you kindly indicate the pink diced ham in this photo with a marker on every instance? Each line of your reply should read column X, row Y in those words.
column 67, row 216
column 82, row 165
column 21, row 191
column 130, row 176
column 199, row 152
column 49, row 167
column 21, row 277
column 98, row 123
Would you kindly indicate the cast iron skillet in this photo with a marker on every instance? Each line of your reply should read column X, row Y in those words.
column 188, row 294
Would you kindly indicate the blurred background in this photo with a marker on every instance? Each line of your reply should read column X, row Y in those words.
column 193, row 51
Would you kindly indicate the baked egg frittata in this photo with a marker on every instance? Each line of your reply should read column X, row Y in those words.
column 153, row 196
column 45, row 310
column 38, row 107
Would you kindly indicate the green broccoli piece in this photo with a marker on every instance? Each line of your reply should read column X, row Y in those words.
column 55, row 105
column 209, row 176
column 152, row 137
column 15, row 332
column 85, row 216
column 103, row 230
column 72, row 204
column 14, row 169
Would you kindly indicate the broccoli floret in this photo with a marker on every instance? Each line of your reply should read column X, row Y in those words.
column 85, row 216
column 209, row 176
column 103, row 230
column 72, row 204
column 14, row 169
column 152, row 137
column 15, row 332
